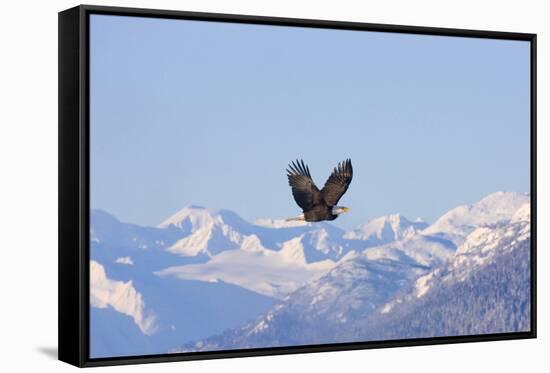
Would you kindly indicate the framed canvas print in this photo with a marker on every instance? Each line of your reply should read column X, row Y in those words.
column 238, row 185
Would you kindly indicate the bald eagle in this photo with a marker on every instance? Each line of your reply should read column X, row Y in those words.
column 319, row 205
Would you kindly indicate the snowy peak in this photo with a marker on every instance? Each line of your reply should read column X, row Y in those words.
column 502, row 202
column 462, row 220
column 209, row 232
column 206, row 231
column 386, row 229
column 190, row 218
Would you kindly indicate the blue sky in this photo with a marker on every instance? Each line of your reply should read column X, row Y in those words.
column 203, row 113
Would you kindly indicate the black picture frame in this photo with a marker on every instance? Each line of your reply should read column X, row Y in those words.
column 74, row 171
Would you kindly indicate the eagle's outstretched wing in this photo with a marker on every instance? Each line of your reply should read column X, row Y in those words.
column 305, row 192
column 337, row 183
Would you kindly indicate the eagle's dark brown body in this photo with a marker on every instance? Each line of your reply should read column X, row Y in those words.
column 319, row 213
column 317, row 205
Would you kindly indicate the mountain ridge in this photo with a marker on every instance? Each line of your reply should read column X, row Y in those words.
column 329, row 275
column 328, row 308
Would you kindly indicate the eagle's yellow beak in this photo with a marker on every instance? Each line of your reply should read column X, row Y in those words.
column 346, row 209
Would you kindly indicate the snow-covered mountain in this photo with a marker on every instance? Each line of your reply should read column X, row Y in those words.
column 485, row 288
column 202, row 272
column 121, row 296
column 352, row 290
column 272, row 260
column 209, row 232
column 497, row 207
column 197, row 273
column 386, row 229
column 480, row 247
column 204, row 231
column 256, row 268
column 134, row 311
column 400, row 285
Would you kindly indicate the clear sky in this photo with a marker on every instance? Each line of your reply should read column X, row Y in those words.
column 203, row 113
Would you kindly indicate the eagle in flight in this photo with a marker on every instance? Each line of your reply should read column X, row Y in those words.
column 319, row 205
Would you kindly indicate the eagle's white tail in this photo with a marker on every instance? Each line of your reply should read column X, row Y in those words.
column 297, row 218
